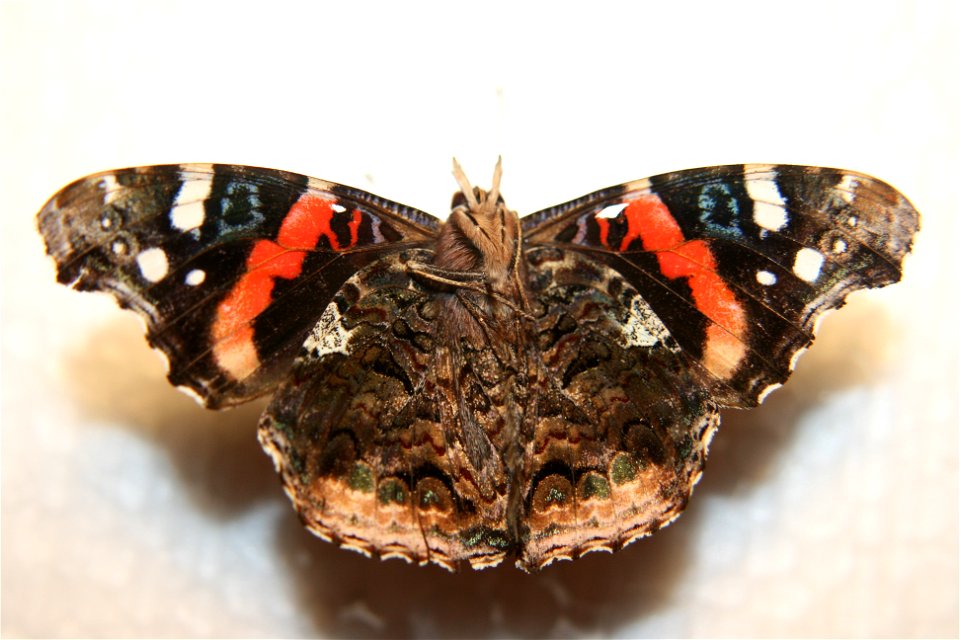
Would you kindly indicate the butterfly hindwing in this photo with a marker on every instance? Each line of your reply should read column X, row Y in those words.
column 617, row 426
column 230, row 266
column 739, row 261
column 370, row 433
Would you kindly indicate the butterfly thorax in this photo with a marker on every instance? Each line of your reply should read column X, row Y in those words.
column 476, row 266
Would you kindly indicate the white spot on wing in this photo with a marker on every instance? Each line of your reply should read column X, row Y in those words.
column 807, row 264
column 329, row 334
column 847, row 188
column 187, row 211
column 642, row 327
column 769, row 207
column 106, row 222
column 769, row 216
column 111, row 188
column 338, row 208
column 153, row 264
column 766, row 278
column 612, row 211
column 195, row 277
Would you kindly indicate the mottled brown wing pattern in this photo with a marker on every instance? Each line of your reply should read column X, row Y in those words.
column 399, row 435
column 620, row 421
column 375, row 431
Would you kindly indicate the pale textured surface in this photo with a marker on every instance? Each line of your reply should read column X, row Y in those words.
column 127, row 510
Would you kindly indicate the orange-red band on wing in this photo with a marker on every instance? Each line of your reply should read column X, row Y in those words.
column 306, row 222
column 650, row 221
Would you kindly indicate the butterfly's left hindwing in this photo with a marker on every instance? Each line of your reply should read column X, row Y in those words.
column 739, row 261
column 230, row 266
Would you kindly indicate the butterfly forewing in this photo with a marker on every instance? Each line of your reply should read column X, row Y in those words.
column 738, row 261
column 230, row 266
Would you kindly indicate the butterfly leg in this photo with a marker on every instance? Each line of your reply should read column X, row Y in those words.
column 470, row 280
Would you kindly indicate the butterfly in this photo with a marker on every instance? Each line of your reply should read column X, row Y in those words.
column 487, row 387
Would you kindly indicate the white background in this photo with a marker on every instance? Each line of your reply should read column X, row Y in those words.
column 127, row 510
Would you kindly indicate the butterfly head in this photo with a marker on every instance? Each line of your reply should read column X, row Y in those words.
column 481, row 234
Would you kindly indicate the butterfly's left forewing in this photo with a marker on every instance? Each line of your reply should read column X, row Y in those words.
column 738, row 261
column 230, row 266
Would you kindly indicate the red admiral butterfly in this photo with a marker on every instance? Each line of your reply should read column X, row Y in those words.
column 488, row 386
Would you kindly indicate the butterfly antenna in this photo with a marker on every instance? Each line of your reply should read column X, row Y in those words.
column 465, row 187
column 495, row 189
